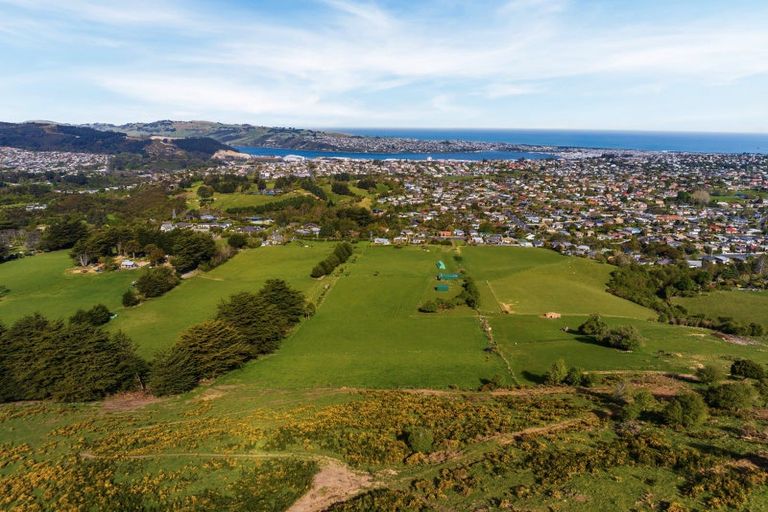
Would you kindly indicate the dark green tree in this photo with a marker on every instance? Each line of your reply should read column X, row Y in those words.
column 154, row 282
column 63, row 234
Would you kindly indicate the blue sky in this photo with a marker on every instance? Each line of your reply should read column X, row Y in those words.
column 604, row 64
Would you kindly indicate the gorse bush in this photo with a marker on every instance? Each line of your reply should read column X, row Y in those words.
column 686, row 410
column 594, row 326
column 748, row 369
column 130, row 299
column 709, row 374
column 624, row 337
column 731, row 396
column 420, row 439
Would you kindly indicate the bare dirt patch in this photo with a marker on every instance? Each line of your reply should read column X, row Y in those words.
column 736, row 340
column 661, row 384
column 128, row 401
column 334, row 482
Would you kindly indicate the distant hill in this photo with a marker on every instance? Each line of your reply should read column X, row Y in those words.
column 233, row 134
column 130, row 151
column 56, row 137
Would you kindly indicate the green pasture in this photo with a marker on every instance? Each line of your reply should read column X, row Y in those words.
column 44, row 284
column 157, row 323
column 532, row 344
column 536, row 281
column 742, row 306
column 368, row 333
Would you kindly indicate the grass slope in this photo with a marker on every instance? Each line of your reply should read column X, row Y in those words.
column 368, row 333
column 742, row 306
column 532, row 344
column 42, row 283
column 535, row 281
column 157, row 323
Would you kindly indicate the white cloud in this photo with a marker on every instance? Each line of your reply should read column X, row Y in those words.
column 336, row 67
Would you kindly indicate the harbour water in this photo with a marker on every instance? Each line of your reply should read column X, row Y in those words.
column 476, row 155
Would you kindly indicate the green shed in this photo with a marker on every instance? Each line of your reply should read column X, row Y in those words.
column 442, row 288
column 440, row 265
column 447, row 277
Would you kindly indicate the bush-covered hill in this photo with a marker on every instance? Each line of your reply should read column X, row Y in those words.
column 131, row 152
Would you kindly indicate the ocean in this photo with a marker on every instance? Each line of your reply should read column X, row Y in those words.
column 648, row 141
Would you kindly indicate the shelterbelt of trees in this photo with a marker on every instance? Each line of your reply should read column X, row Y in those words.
column 654, row 287
column 77, row 360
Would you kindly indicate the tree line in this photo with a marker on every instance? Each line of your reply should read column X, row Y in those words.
column 78, row 360
column 246, row 326
column 654, row 287
column 341, row 253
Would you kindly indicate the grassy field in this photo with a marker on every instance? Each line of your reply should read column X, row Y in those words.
column 742, row 306
column 235, row 199
column 42, row 283
column 368, row 333
column 253, row 438
column 536, row 281
column 157, row 323
column 532, row 344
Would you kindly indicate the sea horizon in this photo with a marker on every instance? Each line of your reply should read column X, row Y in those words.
column 639, row 140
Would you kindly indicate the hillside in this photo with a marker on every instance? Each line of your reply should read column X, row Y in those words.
column 371, row 405
column 232, row 134
column 136, row 151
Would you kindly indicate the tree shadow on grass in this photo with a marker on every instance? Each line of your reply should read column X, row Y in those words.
column 583, row 338
column 758, row 460
column 534, row 377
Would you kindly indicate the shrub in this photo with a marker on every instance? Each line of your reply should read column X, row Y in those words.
column 593, row 326
column 625, row 337
column 204, row 192
column 97, row 315
column 470, row 294
column 428, row 307
column 636, row 403
column 557, row 373
column 734, row 396
column 748, row 369
column 709, row 374
column 685, row 410
column 154, row 282
column 576, row 377
column 237, row 240
column 420, row 439
column 130, row 299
